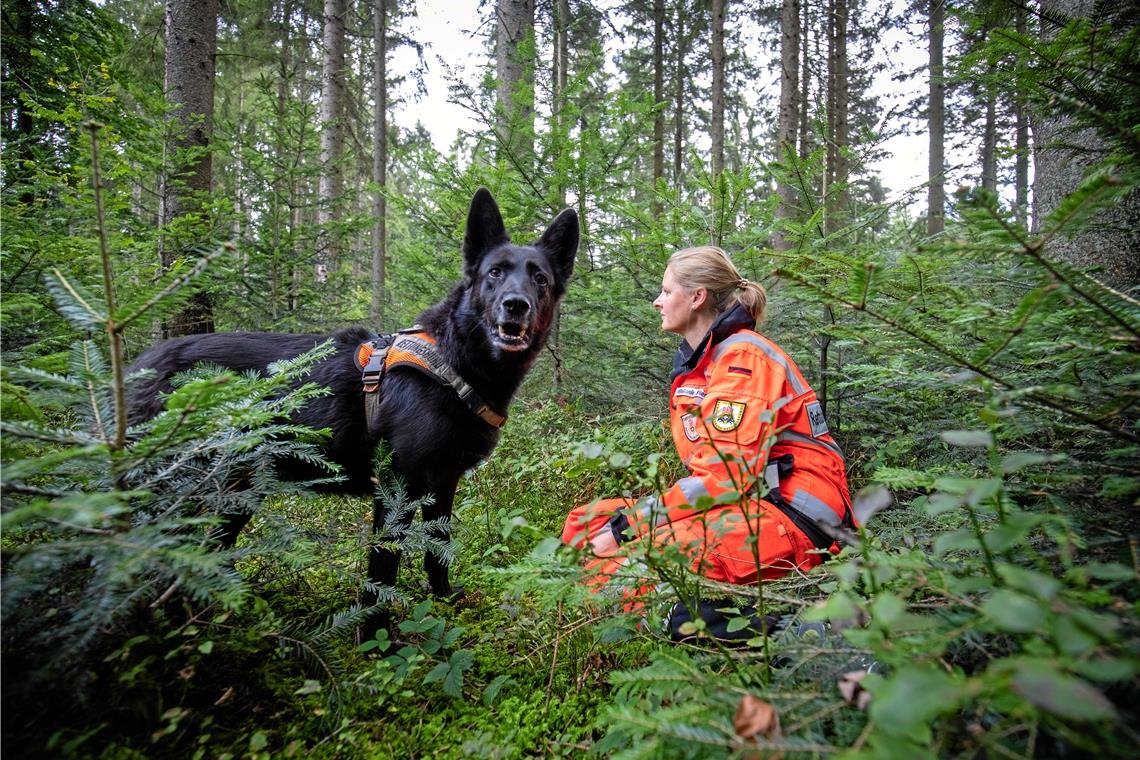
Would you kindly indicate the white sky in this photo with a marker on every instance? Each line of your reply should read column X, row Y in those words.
column 448, row 26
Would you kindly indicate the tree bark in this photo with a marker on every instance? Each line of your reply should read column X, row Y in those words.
column 936, row 123
column 330, row 185
column 379, row 159
column 717, row 120
column 837, row 100
column 658, row 102
column 989, row 146
column 191, row 43
column 514, row 69
column 1063, row 155
column 561, row 82
column 679, row 94
column 1021, row 144
column 788, row 120
column 805, row 80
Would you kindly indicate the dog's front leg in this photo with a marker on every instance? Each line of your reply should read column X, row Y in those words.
column 383, row 567
column 439, row 509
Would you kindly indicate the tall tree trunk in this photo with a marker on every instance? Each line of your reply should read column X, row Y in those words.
column 330, row 186
column 561, row 80
column 19, row 119
column 936, row 125
column 1021, row 144
column 837, row 118
column 788, row 120
column 191, row 43
column 1063, row 154
column 989, row 145
column 658, row 102
column 379, row 159
column 805, row 80
column 679, row 93
column 717, row 120
column 514, row 68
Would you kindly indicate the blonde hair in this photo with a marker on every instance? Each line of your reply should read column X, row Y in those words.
column 709, row 267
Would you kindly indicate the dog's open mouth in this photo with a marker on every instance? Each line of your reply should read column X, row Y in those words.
column 512, row 336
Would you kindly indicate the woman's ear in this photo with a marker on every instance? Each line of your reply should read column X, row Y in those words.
column 699, row 298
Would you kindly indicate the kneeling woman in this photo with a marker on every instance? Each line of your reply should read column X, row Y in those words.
column 750, row 431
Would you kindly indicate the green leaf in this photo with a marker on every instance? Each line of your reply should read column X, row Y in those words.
column 1044, row 686
column 1105, row 670
column 494, row 687
column 963, row 538
column 206, row 647
column 1014, row 612
column 968, row 438
column 311, row 686
column 461, row 661
column 1029, row 581
column 906, row 702
column 870, row 501
column 737, row 624
column 1108, row 571
column 258, row 741
column 1019, row 460
column 1072, row 638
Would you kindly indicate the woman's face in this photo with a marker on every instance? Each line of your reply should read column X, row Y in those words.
column 675, row 304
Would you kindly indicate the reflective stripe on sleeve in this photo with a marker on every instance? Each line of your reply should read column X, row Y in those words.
column 815, row 508
column 773, row 354
column 791, row 435
column 650, row 509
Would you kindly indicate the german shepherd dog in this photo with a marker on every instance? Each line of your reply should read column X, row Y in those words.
column 488, row 330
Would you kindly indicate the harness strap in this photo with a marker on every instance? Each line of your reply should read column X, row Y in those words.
column 413, row 348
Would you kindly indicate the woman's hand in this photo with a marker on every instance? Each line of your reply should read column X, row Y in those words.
column 603, row 543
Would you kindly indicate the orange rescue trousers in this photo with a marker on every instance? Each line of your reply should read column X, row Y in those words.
column 718, row 544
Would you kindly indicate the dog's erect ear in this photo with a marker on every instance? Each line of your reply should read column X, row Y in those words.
column 560, row 241
column 485, row 227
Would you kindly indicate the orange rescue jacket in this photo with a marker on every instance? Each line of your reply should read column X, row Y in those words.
column 740, row 411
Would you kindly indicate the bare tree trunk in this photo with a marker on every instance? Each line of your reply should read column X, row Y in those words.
column 717, row 53
column 837, row 98
column 561, row 81
column 191, row 43
column 786, row 132
column 679, row 95
column 658, row 101
column 989, row 145
column 805, row 80
column 936, row 124
column 514, row 68
column 330, row 186
column 379, row 159
column 1021, row 145
column 1063, row 154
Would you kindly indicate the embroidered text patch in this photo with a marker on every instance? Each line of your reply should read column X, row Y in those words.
column 816, row 418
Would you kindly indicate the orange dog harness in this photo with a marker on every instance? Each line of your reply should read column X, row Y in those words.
column 417, row 349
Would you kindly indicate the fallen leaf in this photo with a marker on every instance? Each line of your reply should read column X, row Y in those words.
column 755, row 717
column 851, row 687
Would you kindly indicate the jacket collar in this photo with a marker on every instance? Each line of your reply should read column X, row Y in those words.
column 735, row 319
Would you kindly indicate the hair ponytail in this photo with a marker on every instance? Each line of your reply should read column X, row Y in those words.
column 710, row 268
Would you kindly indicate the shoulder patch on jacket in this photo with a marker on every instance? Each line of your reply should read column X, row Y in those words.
column 690, row 392
column 727, row 415
column 689, row 424
column 816, row 418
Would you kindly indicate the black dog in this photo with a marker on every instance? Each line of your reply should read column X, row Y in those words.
column 486, row 335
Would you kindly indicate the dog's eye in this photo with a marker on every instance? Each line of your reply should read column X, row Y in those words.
column 495, row 272
column 541, row 279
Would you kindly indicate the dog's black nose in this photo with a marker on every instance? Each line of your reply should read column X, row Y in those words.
column 516, row 307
